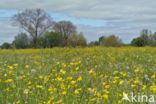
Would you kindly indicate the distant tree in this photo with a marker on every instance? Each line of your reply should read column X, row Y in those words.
column 153, row 40
column 139, row 42
column 102, row 37
column 93, row 43
column 145, row 34
column 41, row 42
column 49, row 40
column 5, row 45
column 76, row 40
column 111, row 40
column 72, row 40
column 65, row 28
column 33, row 21
column 81, row 40
column 21, row 41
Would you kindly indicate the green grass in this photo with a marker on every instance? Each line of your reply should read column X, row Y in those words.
column 76, row 75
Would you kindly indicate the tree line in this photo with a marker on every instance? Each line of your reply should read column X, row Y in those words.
column 41, row 31
column 146, row 38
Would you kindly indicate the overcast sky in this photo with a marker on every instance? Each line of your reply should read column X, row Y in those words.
column 124, row 18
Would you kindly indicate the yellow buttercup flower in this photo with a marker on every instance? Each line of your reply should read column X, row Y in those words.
column 15, row 65
column 8, row 80
column 153, row 88
column 89, row 89
column 77, row 91
column 137, row 82
column 62, row 71
column 40, row 76
column 136, row 70
column 26, row 66
column 91, row 71
column 107, row 86
column 153, row 76
column 10, row 67
column 133, row 85
column 144, row 87
column 105, row 96
column 79, row 79
column 77, row 68
column 121, row 82
column 64, row 93
column 39, row 86
column 73, row 82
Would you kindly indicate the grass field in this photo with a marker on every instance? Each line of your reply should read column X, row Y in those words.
column 76, row 75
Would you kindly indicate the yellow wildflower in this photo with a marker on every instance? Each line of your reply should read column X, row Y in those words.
column 64, row 93
column 105, row 96
column 136, row 70
column 26, row 66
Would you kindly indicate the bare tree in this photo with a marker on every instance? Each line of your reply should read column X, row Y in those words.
column 34, row 21
column 65, row 28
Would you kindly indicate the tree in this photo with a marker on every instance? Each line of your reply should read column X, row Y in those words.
column 139, row 42
column 5, row 45
column 76, row 40
column 93, row 43
column 65, row 28
column 81, row 40
column 49, row 40
column 102, row 37
column 21, row 41
column 111, row 40
column 145, row 34
column 153, row 40
column 33, row 21
column 72, row 40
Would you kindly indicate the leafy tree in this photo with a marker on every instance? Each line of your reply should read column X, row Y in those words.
column 81, row 40
column 21, row 41
column 93, row 43
column 139, row 42
column 34, row 21
column 111, row 40
column 65, row 28
column 145, row 34
column 72, row 40
column 102, row 37
column 153, row 40
column 5, row 45
column 49, row 40
column 76, row 40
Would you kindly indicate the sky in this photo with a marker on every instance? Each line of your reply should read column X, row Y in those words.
column 95, row 18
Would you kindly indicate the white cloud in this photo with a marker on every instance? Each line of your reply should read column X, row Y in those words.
column 7, row 32
column 101, row 9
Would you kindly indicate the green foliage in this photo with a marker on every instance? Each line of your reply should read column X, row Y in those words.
column 93, row 43
column 5, row 45
column 139, row 42
column 111, row 40
column 94, row 75
column 145, row 34
column 76, row 40
column 21, row 41
column 145, row 39
column 153, row 40
column 49, row 40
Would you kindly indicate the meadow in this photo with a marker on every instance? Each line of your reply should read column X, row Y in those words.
column 76, row 75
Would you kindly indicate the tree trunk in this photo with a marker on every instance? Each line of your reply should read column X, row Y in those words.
column 35, row 42
column 35, row 38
